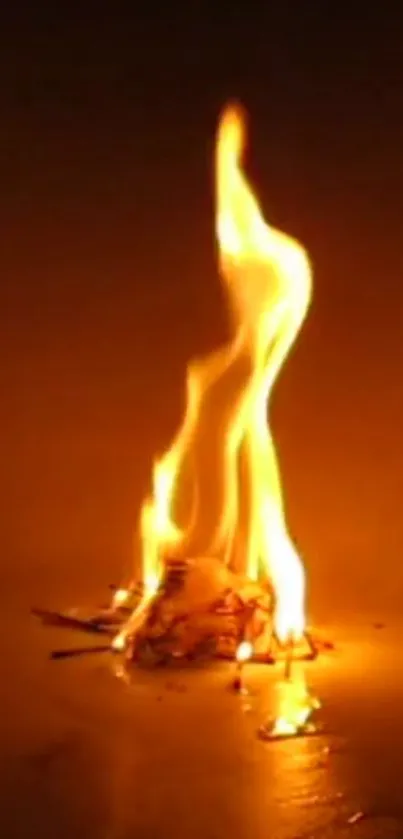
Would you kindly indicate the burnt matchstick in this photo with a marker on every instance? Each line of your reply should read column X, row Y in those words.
column 76, row 651
column 67, row 621
column 313, row 646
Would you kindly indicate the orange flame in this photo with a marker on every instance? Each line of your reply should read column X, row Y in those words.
column 295, row 708
column 268, row 279
column 268, row 283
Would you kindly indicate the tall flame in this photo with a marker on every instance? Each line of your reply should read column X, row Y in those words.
column 267, row 278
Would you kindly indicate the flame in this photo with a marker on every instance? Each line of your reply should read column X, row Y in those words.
column 295, row 708
column 267, row 278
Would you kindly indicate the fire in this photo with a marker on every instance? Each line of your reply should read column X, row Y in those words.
column 267, row 278
column 244, row 652
column 295, row 708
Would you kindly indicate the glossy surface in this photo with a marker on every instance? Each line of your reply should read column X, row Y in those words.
column 176, row 753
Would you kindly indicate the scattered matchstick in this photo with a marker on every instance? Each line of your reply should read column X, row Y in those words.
column 76, row 651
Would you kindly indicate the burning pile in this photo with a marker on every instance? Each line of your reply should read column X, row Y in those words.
column 218, row 563
column 201, row 608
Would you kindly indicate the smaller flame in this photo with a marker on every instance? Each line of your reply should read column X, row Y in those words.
column 119, row 642
column 137, row 617
column 244, row 652
column 120, row 597
column 295, row 708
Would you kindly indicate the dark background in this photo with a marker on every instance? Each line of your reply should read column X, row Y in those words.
column 109, row 283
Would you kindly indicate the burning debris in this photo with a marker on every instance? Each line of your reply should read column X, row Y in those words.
column 200, row 610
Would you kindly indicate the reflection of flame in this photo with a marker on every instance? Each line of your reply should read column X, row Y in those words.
column 266, row 275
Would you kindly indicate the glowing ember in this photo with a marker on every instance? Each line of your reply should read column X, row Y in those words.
column 119, row 642
column 235, row 515
column 244, row 652
column 120, row 597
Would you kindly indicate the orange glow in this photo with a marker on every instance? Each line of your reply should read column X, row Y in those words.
column 267, row 279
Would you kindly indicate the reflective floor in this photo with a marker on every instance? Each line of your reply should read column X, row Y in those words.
column 174, row 753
